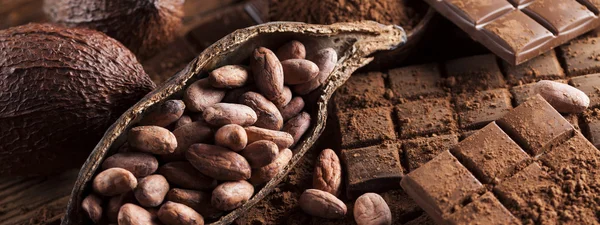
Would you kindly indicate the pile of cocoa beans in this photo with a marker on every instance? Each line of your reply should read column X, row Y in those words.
column 323, row 201
column 195, row 158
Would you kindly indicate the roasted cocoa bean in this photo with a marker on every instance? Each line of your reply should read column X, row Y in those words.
column 164, row 114
column 218, row 162
column 139, row 164
column 231, row 136
column 183, row 174
column 230, row 195
column 152, row 139
column 201, row 94
column 268, row 116
column 114, row 181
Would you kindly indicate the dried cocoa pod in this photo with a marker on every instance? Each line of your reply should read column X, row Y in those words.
column 322, row 204
column 183, row 174
column 152, row 139
column 268, row 116
column 92, row 205
column 297, row 126
column 221, row 114
column 260, row 153
column 201, row 94
column 218, row 162
column 292, row 109
column 164, row 114
column 195, row 132
column 172, row 213
column 266, row 173
column 328, row 173
column 139, row 164
column 232, row 136
column 230, row 195
column 115, row 203
column 282, row 139
column 151, row 190
column 114, row 181
column 299, row 71
column 291, row 50
column 357, row 42
column 131, row 214
column 230, row 76
column 325, row 59
column 268, row 74
column 197, row 200
column 370, row 208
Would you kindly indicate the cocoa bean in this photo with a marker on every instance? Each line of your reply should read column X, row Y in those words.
column 268, row 74
column 197, row 200
column 563, row 97
column 231, row 136
column 221, row 114
column 114, row 181
column 328, row 173
column 371, row 209
column 266, row 173
column 92, row 205
column 164, row 114
column 299, row 71
column 291, row 50
column 287, row 96
column 172, row 213
column 322, row 204
column 282, row 139
column 233, row 95
column 325, row 59
column 185, row 119
column 268, row 116
column 260, row 153
column 292, row 109
column 230, row 195
column 218, row 162
column 230, row 76
column 183, row 174
column 131, row 214
column 151, row 190
column 115, row 203
column 139, row 164
column 195, row 132
column 152, row 139
column 201, row 94
column 297, row 126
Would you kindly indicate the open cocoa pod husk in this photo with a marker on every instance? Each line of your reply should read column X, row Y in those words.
column 355, row 44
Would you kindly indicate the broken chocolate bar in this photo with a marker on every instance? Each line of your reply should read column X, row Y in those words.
column 518, row 30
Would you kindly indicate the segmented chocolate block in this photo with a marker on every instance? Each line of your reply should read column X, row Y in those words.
column 418, row 81
column 361, row 91
column 371, row 169
column 582, row 56
column 475, row 110
column 425, row 117
column 362, row 127
column 590, row 85
column 474, row 73
column 543, row 67
column 419, row 151
column 483, row 210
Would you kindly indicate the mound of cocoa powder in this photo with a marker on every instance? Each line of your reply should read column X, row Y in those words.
column 396, row 12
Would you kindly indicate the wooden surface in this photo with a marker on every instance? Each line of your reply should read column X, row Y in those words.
column 42, row 200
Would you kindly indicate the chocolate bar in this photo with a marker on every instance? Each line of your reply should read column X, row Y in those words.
column 518, row 30
column 515, row 177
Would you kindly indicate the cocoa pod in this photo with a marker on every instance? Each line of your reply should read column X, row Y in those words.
column 563, row 97
column 322, row 204
column 172, row 213
column 260, row 153
column 152, row 139
column 292, row 109
column 230, row 195
column 139, row 164
column 371, row 209
column 326, row 59
column 151, row 190
column 268, row 74
column 183, row 174
column 221, row 114
column 131, row 214
column 114, row 181
column 164, row 114
column 231, row 136
column 268, row 116
column 266, row 173
column 282, row 139
column 92, row 205
column 218, row 162
column 201, row 94
column 291, row 50
column 183, row 120
column 230, row 76
column 297, row 126
column 298, row 71
column 114, row 205
column 195, row 132
column 328, row 173
column 197, row 200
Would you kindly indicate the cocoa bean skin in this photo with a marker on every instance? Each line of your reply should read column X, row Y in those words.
column 231, row 136
column 268, row 74
column 322, row 204
column 164, row 114
column 282, row 139
column 201, row 94
column 172, row 213
column 371, row 209
column 218, row 162
column 291, row 50
column 292, row 109
column 230, row 76
column 297, row 126
column 266, row 173
column 92, row 205
column 131, row 214
column 328, row 173
column 563, row 97
column 299, row 71
column 139, row 164
column 184, row 175
column 114, row 181
column 195, row 132
column 260, row 153
column 197, row 200
column 151, row 190
column 221, row 114
column 115, row 203
column 268, row 116
column 152, row 139
column 231, row 195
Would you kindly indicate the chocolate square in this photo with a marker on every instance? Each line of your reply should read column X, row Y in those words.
column 403, row 208
column 489, row 153
column 590, row 85
column 591, row 125
column 440, row 185
column 371, row 169
column 419, row 151
column 362, row 127
column 543, row 67
column 361, row 91
column 475, row 110
column 576, row 153
column 582, row 56
column 414, row 82
column 484, row 210
column 486, row 10
column 479, row 72
column 424, row 117
column 536, row 126
column 560, row 16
